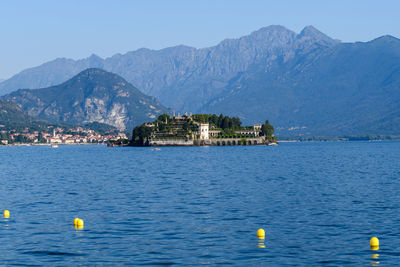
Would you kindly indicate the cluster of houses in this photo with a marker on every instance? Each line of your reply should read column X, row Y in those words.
column 76, row 135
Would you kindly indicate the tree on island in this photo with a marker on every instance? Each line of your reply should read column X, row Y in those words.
column 4, row 135
column 140, row 135
column 164, row 118
column 41, row 139
column 221, row 121
column 267, row 130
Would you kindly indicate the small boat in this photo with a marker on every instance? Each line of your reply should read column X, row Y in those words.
column 54, row 145
column 272, row 144
column 156, row 149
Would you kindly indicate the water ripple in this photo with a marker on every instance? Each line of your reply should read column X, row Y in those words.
column 319, row 203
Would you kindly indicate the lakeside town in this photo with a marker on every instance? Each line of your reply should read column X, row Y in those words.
column 58, row 135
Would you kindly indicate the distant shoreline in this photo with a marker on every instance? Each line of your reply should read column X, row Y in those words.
column 336, row 139
column 49, row 145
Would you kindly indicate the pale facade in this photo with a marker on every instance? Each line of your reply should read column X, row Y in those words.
column 257, row 127
column 214, row 133
column 203, row 130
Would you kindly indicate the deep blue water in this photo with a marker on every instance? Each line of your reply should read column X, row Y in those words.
column 319, row 203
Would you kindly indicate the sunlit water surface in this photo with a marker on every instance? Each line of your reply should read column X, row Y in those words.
column 319, row 203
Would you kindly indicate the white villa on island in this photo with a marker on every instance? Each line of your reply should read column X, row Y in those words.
column 205, row 133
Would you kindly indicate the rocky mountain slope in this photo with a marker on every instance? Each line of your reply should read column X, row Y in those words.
column 14, row 117
column 93, row 95
column 181, row 77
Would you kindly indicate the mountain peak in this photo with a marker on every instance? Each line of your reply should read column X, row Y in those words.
column 94, row 56
column 94, row 71
column 93, row 95
column 385, row 38
column 272, row 29
column 311, row 33
column 95, row 61
column 310, row 30
column 96, row 76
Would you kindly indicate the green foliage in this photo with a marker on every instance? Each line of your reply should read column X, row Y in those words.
column 201, row 118
column 119, row 142
column 12, row 117
column 223, row 122
column 4, row 136
column 267, row 130
column 140, row 135
column 22, row 139
column 41, row 139
column 164, row 118
column 101, row 128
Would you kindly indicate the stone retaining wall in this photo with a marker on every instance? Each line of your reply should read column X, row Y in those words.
column 171, row 142
column 232, row 141
column 209, row 142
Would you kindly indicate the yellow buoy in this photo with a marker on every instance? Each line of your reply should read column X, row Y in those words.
column 6, row 214
column 261, row 233
column 374, row 243
column 80, row 223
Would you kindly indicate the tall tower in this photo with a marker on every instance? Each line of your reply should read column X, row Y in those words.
column 203, row 129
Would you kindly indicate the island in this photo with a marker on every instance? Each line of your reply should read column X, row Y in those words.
column 199, row 130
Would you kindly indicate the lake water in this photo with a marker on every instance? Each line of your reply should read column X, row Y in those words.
column 319, row 203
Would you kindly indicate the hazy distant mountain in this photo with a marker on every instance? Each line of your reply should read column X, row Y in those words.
column 351, row 88
column 182, row 77
column 93, row 95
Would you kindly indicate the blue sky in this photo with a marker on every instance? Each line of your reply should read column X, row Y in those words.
column 33, row 32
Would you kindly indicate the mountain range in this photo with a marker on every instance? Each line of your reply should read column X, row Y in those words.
column 347, row 89
column 181, row 77
column 93, row 95
column 305, row 84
